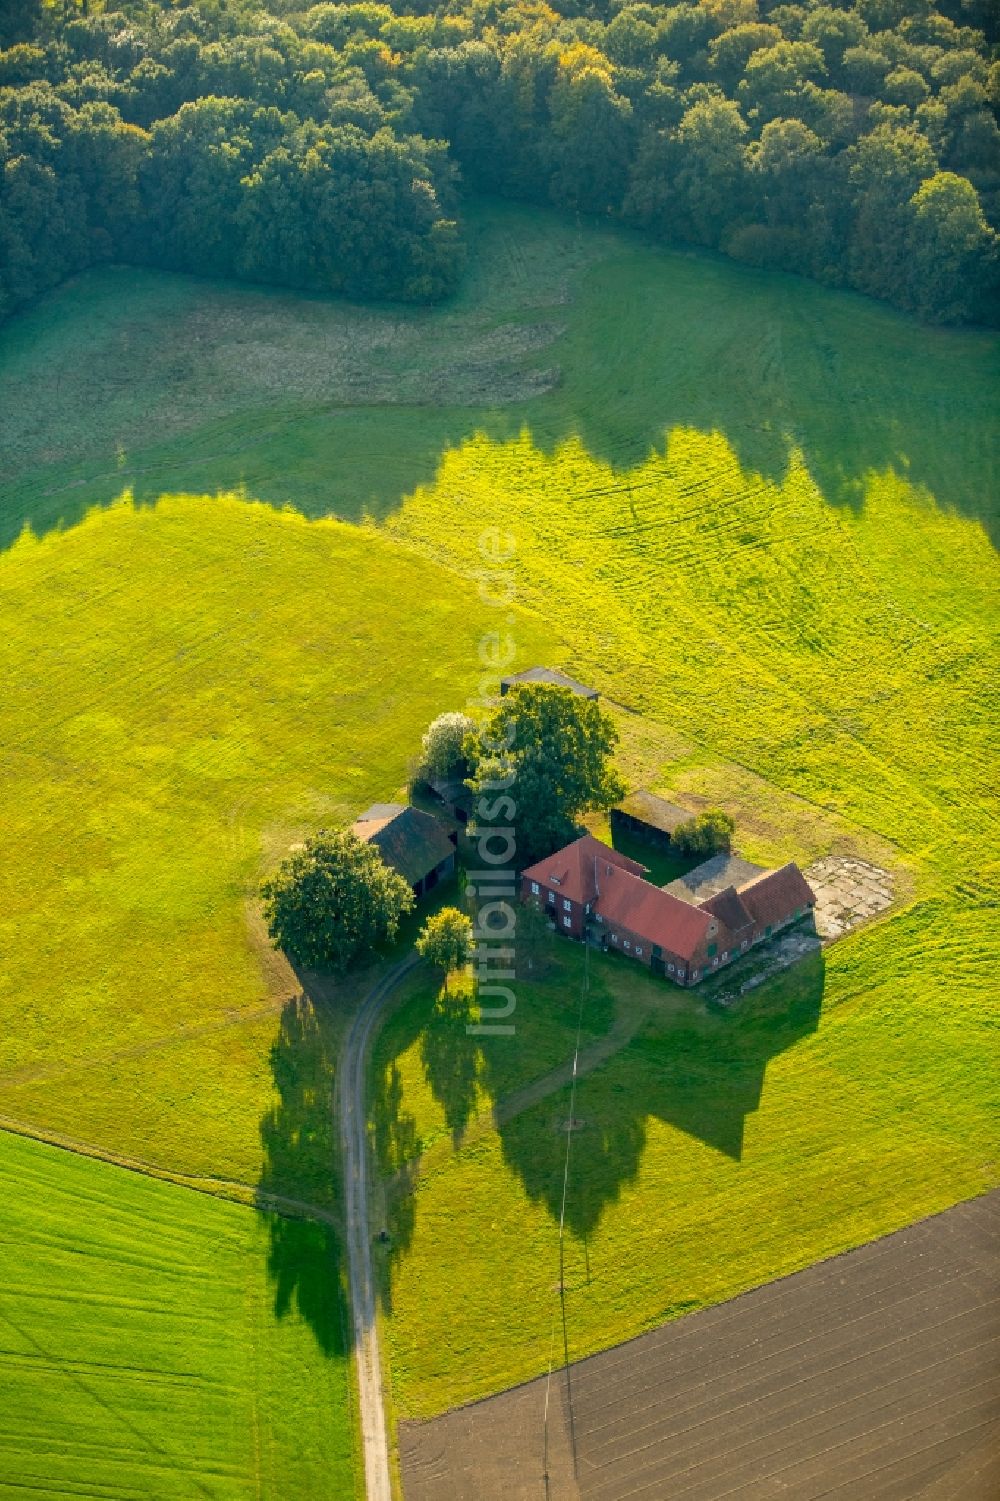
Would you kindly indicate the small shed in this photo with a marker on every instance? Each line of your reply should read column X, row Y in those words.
column 454, row 797
column 412, row 842
column 644, row 816
column 550, row 676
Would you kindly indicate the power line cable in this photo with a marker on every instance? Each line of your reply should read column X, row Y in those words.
column 584, row 990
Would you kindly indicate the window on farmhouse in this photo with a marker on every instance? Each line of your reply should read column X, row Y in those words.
column 567, row 905
column 638, row 951
column 567, row 922
column 534, row 888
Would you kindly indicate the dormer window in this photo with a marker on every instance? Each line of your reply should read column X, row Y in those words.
column 555, row 880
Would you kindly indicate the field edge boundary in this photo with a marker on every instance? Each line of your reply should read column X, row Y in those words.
column 228, row 1189
column 417, row 1422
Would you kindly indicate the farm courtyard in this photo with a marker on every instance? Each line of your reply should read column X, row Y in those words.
column 227, row 624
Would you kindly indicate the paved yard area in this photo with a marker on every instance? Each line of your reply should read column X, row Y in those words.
column 848, row 892
column 874, row 1376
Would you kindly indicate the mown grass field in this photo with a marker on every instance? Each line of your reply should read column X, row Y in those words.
column 141, row 1350
column 191, row 686
column 757, row 515
column 839, row 656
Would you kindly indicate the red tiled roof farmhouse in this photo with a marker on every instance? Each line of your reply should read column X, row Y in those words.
column 771, row 897
column 652, row 914
column 729, row 909
column 588, row 888
column 588, row 871
column 574, row 870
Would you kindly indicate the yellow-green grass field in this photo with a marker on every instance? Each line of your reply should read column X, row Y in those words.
column 190, row 686
column 845, row 658
column 142, row 1351
column 756, row 514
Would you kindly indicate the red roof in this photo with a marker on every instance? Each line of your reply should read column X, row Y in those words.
column 728, row 908
column 773, row 897
column 652, row 914
column 588, row 871
column 575, row 870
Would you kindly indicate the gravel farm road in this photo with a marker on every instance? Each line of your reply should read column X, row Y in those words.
column 354, row 1136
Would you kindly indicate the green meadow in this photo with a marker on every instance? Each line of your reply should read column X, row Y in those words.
column 192, row 686
column 758, row 515
column 827, row 669
column 145, row 1349
column 711, row 1151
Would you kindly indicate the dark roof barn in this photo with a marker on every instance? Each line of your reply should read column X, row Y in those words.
column 408, row 839
column 547, row 675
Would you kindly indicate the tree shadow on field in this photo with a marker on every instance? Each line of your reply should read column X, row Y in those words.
column 297, row 1137
column 397, row 1150
column 452, row 1066
column 696, row 1065
column 396, row 1146
column 650, row 341
column 700, row 1073
column 776, row 365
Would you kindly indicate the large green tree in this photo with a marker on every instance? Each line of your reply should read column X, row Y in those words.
column 445, row 940
column 954, row 252
column 541, row 759
column 442, row 746
column 18, row 19
column 333, row 900
column 886, row 168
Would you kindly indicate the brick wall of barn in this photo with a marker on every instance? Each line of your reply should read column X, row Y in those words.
column 558, row 907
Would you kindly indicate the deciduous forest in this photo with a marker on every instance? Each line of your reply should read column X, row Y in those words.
column 329, row 148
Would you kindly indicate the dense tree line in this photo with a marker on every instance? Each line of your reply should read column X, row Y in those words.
column 323, row 147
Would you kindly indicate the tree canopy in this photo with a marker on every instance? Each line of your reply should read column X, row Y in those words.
column 325, row 147
column 332, row 900
column 445, row 939
column 541, row 759
column 705, row 834
column 443, row 743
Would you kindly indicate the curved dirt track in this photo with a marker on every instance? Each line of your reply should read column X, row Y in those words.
column 353, row 1122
